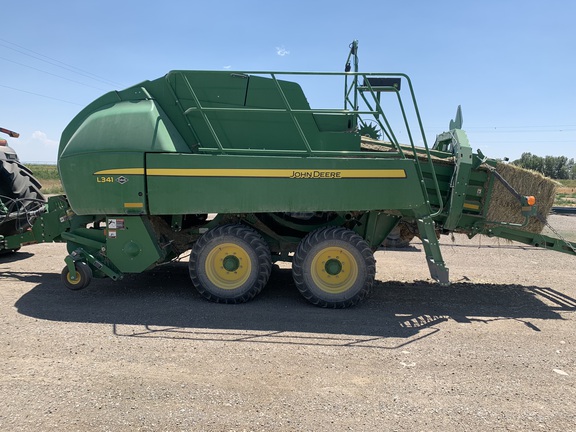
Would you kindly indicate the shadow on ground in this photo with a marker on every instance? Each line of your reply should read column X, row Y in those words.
column 164, row 300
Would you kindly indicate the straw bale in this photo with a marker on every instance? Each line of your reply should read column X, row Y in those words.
column 370, row 144
column 504, row 207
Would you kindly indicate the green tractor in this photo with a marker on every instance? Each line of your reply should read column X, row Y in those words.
column 20, row 196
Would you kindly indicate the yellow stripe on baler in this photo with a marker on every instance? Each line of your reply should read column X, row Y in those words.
column 121, row 171
column 258, row 173
column 471, row 206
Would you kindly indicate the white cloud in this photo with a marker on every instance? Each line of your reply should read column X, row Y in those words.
column 227, row 67
column 43, row 138
column 281, row 51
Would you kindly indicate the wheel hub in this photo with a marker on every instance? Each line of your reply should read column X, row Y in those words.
column 231, row 263
column 334, row 270
column 333, row 266
column 228, row 266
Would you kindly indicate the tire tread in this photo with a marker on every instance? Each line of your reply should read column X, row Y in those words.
column 326, row 234
column 256, row 242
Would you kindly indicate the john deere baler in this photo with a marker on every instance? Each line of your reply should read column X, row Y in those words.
column 239, row 169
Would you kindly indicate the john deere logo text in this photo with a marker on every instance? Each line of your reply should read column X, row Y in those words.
column 316, row 174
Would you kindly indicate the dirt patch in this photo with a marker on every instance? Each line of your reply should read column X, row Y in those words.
column 496, row 350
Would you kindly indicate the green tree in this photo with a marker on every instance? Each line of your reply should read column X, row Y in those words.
column 531, row 162
column 555, row 167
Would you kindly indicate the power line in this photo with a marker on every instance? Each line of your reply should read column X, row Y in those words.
column 524, row 126
column 57, row 63
column 41, row 95
column 530, row 141
column 520, row 129
column 53, row 74
column 484, row 129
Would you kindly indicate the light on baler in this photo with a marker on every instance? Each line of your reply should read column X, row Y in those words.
column 530, row 200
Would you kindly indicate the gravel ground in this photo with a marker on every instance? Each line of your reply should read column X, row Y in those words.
column 496, row 350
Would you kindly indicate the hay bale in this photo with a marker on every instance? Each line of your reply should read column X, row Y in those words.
column 504, row 207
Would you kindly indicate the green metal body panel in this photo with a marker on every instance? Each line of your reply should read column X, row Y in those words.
column 117, row 134
column 115, row 245
column 249, row 112
column 106, row 153
column 114, row 134
column 108, row 193
column 247, row 184
column 375, row 227
column 131, row 244
column 459, row 186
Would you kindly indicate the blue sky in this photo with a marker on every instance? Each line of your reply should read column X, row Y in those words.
column 510, row 64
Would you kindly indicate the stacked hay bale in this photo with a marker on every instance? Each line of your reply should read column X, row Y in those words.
column 504, row 207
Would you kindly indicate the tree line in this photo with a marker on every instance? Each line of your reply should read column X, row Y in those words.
column 555, row 167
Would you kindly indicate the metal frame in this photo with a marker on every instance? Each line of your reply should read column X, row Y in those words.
column 353, row 93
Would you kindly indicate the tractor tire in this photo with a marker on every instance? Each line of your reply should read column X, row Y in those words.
column 230, row 264
column 334, row 267
column 20, row 194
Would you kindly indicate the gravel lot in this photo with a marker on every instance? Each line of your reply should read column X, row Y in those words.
column 496, row 350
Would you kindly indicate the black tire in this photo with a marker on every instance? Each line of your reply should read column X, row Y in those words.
column 230, row 264
column 334, row 267
column 83, row 276
column 20, row 194
column 399, row 238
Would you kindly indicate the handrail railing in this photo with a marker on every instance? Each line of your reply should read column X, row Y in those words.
column 203, row 114
column 291, row 113
column 376, row 111
column 388, row 131
column 203, row 110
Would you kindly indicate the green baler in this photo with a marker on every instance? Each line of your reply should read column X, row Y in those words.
column 237, row 167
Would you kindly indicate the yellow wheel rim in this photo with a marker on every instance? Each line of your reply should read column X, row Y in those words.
column 228, row 266
column 334, row 270
column 74, row 281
